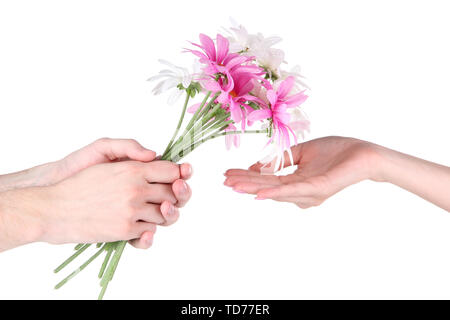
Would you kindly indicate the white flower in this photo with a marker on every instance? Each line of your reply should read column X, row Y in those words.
column 276, row 159
column 260, row 92
column 170, row 80
column 299, row 78
column 299, row 122
column 258, row 46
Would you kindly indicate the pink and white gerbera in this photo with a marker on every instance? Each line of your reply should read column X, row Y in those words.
column 277, row 111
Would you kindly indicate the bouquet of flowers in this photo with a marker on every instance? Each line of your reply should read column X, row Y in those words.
column 242, row 84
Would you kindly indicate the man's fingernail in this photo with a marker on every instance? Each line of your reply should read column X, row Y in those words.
column 189, row 169
column 172, row 211
column 148, row 242
column 184, row 187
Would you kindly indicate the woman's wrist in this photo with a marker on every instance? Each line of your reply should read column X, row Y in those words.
column 379, row 163
column 390, row 164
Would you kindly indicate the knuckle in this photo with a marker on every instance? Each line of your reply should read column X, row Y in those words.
column 133, row 142
column 125, row 229
column 303, row 205
column 132, row 167
column 174, row 171
column 130, row 213
column 234, row 180
column 102, row 140
column 318, row 202
column 132, row 191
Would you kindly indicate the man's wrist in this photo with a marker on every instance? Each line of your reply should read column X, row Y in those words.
column 22, row 219
column 43, row 175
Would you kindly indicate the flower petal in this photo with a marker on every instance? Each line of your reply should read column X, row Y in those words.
column 261, row 114
column 208, row 46
column 296, row 100
column 223, row 46
column 286, row 87
column 236, row 112
column 174, row 96
column 272, row 97
column 211, row 85
column 193, row 108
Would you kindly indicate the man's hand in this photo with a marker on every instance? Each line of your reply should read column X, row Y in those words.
column 103, row 203
column 102, row 151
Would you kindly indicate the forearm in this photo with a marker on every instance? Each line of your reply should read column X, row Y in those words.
column 428, row 180
column 42, row 175
column 21, row 217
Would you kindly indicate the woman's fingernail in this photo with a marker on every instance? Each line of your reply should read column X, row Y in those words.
column 260, row 198
column 239, row 191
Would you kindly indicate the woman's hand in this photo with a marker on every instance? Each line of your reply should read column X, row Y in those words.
column 325, row 166
column 328, row 165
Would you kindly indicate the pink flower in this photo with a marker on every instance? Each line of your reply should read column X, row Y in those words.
column 277, row 111
column 219, row 60
column 232, row 139
column 234, row 94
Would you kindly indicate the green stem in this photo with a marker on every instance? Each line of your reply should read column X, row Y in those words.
column 218, row 134
column 229, row 133
column 79, row 246
column 193, row 135
column 192, row 124
column 103, row 291
column 210, row 104
column 109, row 249
column 107, row 277
column 81, row 268
column 210, row 115
column 197, row 112
column 71, row 258
column 213, row 126
column 180, row 122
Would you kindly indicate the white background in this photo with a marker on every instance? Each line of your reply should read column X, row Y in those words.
column 75, row 71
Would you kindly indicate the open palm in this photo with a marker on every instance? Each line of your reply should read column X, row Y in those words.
column 325, row 166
